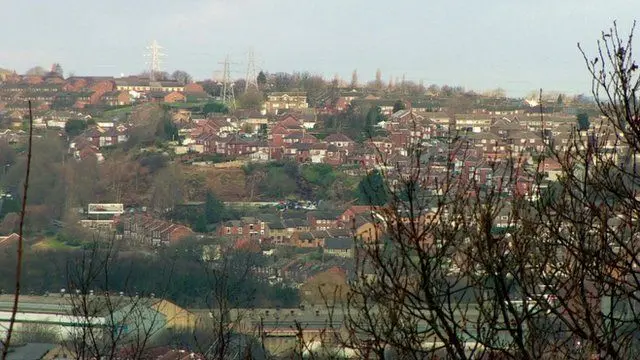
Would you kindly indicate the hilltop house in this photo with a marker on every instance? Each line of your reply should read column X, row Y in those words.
column 278, row 102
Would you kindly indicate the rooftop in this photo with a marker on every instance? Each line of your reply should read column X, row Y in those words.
column 61, row 303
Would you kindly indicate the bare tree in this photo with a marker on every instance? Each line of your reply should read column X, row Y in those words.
column 181, row 76
column 225, row 332
column 6, row 342
column 521, row 266
column 115, row 322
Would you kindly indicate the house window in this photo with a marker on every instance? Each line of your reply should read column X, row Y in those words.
column 228, row 230
column 240, row 230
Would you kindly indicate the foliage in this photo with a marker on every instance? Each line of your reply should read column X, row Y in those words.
column 211, row 87
column 251, row 100
column 57, row 69
column 319, row 174
column 9, row 205
column 545, row 273
column 262, row 79
column 215, row 107
column 372, row 190
column 321, row 177
column 152, row 161
column 583, row 121
column 214, row 209
column 181, row 76
column 398, row 105
column 200, row 224
column 36, row 71
column 374, row 116
column 187, row 282
column 7, row 153
column 278, row 184
column 167, row 130
column 47, row 192
column 74, row 127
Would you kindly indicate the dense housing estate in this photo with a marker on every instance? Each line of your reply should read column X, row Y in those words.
column 99, row 116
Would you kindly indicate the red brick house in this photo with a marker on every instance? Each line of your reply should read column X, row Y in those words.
column 340, row 141
column 318, row 153
column 355, row 210
column 33, row 79
column 299, row 137
column 323, row 220
column 335, row 156
column 277, row 136
column 116, row 98
column 98, row 89
column 208, row 143
column 148, row 231
column 193, row 88
column 288, row 120
column 237, row 146
column 75, row 85
column 298, row 152
column 380, row 144
column 174, row 96
column 245, row 229
column 342, row 104
column 316, row 238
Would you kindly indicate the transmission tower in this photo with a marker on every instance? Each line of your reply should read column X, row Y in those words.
column 227, row 93
column 155, row 55
column 251, row 80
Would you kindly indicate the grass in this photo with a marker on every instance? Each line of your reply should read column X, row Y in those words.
column 194, row 106
column 108, row 114
column 51, row 243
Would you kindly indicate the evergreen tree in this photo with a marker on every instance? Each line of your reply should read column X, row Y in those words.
column 583, row 121
column 57, row 69
column 398, row 105
column 213, row 208
column 262, row 79
column 372, row 190
column 201, row 224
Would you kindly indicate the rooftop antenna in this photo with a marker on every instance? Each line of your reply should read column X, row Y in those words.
column 251, row 80
column 155, row 56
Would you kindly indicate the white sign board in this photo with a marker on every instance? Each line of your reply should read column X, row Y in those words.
column 113, row 209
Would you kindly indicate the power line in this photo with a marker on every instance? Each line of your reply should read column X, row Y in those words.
column 251, row 80
column 155, row 56
column 227, row 94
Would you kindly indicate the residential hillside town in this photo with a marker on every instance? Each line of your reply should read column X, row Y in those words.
column 304, row 180
column 176, row 174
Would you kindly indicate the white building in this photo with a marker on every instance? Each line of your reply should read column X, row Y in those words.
column 65, row 316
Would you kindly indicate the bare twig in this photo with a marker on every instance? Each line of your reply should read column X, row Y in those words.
column 16, row 297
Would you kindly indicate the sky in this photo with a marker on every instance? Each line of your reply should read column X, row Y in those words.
column 516, row 45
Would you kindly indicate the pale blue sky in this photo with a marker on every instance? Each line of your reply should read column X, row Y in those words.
column 480, row 44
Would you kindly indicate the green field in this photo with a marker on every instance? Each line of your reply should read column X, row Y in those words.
column 51, row 243
column 117, row 112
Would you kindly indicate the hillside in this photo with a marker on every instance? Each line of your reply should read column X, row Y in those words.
column 227, row 184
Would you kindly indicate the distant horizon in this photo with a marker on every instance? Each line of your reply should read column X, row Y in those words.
column 361, row 83
column 517, row 46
